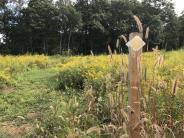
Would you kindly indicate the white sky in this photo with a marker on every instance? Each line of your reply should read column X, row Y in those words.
column 1, row 36
column 179, row 6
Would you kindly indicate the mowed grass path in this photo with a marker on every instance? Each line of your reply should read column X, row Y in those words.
column 20, row 105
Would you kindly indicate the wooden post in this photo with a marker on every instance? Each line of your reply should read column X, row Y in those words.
column 135, row 46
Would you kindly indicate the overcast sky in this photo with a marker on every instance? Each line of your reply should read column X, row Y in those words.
column 179, row 6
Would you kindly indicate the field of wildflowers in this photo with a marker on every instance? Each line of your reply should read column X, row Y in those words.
column 11, row 65
column 86, row 96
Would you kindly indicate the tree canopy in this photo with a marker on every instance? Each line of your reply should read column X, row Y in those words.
column 60, row 27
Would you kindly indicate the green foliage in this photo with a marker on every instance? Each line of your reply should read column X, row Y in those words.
column 51, row 28
column 76, row 73
column 99, row 109
column 71, row 78
column 181, row 29
column 4, row 79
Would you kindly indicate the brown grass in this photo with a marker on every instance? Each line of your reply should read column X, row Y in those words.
column 15, row 131
column 175, row 86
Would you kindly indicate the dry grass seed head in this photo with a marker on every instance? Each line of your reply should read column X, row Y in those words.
column 175, row 86
column 159, row 61
column 139, row 24
column 92, row 54
column 117, row 43
column 122, row 37
column 159, row 132
column 95, row 129
column 147, row 33
column 109, row 49
column 111, row 100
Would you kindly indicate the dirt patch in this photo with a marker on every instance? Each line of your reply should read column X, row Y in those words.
column 32, row 115
column 7, row 90
column 15, row 131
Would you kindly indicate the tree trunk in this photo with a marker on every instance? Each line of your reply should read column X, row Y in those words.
column 60, row 45
column 147, row 45
column 69, row 37
column 45, row 46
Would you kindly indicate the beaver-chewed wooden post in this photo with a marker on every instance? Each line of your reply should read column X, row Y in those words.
column 135, row 46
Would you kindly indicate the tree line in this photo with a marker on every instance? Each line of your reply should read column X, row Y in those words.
column 63, row 26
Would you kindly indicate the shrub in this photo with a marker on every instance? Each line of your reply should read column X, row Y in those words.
column 74, row 73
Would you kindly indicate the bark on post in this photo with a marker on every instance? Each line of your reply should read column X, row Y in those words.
column 135, row 49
